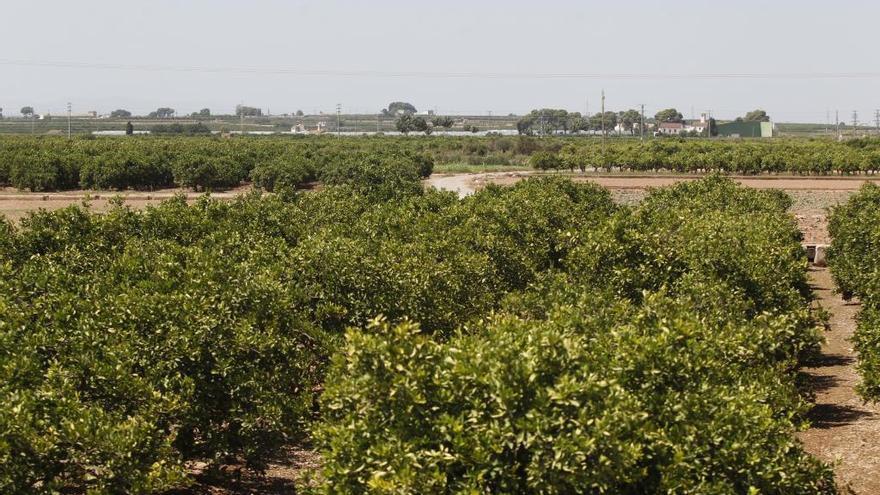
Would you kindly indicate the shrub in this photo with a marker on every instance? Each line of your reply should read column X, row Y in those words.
column 283, row 173
column 855, row 230
column 545, row 160
column 203, row 172
column 558, row 407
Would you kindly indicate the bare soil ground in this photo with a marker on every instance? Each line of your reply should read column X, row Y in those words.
column 845, row 430
column 282, row 477
column 16, row 204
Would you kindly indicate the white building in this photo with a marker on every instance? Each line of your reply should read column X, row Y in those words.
column 671, row 128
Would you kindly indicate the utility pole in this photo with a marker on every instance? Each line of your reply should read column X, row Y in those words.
column 855, row 118
column 877, row 119
column 837, row 123
column 543, row 129
column 603, row 123
column 338, row 116
column 642, row 124
column 241, row 118
column 68, row 119
column 704, row 119
column 827, row 120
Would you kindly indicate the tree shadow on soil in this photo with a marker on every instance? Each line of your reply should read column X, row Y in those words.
column 810, row 384
column 826, row 360
column 824, row 416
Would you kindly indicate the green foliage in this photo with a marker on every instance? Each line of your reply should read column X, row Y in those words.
column 186, row 129
column 284, row 173
column 669, row 115
column 563, row 344
column 162, row 113
column 47, row 163
column 757, row 116
column 207, row 172
column 548, row 121
column 133, row 342
column 399, row 108
column 649, row 354
column 44, row 172
column 855, row 230
column 544, row 160
column 381, row 174
column 123, row 170
column 445, row 122
column 563, row 406
column 130, row 344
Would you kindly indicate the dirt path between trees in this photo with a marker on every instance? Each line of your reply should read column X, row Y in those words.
column 845, row 430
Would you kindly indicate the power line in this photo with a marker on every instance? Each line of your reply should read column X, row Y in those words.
column 436, row 74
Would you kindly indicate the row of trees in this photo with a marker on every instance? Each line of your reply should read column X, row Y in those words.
column 548, row 121
column 407, row 123
column 745, row 157
column 855, row 229
column 51, row 163
column 645, row 359
column 202, row 163
column 554, row 342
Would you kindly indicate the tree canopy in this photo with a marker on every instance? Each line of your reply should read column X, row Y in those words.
column 242, row 110
column 120, row 114
column 669, row 115
column 757, row 116
column 27, row 111
column 162, row 113
column 399, row 108
column 547, row 121
column 629, row 119
column 446, row 122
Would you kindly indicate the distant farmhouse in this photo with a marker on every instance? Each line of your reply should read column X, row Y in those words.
column 738, row 129
column 670, row 128
column 676, row 128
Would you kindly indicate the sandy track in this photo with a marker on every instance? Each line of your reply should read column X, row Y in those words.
column 16, row 204
column 468, row 183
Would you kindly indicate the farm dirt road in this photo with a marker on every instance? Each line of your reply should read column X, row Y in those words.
column 15, row 204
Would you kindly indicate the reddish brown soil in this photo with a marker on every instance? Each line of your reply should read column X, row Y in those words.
column 845, row 430
column 282, row 477
column 16, row 204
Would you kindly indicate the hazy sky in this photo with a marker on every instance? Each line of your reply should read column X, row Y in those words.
column 499, row 44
